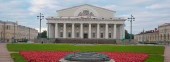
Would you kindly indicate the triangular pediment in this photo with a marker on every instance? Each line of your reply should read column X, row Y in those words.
column 86, row 5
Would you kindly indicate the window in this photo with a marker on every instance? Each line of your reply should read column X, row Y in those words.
column 164, row 36
column 69, row 34
column 7, row 27
column 101, row 35
column 110, row 35
column 102, row 18
column 93, row 35
column 101, row 26
column 77, row 34
column 85, row 25
column 77, row 26
column 61, row 34
column 168, row 37
column 61, row 26
column 161, row 37
column 109, row 26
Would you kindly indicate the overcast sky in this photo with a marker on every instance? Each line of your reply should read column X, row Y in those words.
column 148, row 13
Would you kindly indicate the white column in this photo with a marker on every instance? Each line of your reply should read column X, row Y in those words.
column 48, row 32
column 123, row 31
column 56, row 30
column 106, row 31
column 64, row 30
column 115, row 31
column 89, row 31
column 98, row 31
column 81, row 30
column 73, row 36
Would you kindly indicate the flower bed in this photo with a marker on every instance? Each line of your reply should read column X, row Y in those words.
column 56, row 56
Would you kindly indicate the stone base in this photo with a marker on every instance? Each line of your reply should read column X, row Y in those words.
column 63, row 60
column 86, row 57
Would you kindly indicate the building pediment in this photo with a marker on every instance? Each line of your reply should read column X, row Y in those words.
column 86, row 10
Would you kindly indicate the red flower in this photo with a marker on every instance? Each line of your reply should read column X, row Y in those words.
column 56, row 56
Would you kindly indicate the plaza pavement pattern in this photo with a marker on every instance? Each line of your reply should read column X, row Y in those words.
column 167, row 54
column 4, row 54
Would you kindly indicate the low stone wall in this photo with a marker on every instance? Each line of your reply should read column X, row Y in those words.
column 82, row 41
column 87, row 41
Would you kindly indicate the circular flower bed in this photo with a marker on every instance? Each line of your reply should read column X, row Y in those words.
column 56, row 56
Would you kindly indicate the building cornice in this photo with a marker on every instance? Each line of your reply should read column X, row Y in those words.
column 86, row 19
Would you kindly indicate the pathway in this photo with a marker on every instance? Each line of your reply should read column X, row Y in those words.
column 4, row 54
column 167, row 54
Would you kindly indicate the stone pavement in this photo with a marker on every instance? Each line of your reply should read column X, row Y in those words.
column 167, row 54
column 4, row 54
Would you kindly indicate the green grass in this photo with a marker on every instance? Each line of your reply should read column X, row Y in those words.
column 155, row 52
column 17, row 57
column 155, row 58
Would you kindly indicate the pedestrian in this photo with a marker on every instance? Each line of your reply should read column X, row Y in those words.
column 42, row 42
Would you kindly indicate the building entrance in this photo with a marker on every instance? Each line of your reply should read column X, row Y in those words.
column 85, row 35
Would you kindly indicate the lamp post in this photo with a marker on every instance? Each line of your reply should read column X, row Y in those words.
column 131, row 19
column 40, row 17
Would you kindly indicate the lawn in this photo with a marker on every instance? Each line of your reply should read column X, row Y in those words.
column 155, row 52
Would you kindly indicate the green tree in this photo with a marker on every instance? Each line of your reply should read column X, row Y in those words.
column 127, row 35
column 43, row 34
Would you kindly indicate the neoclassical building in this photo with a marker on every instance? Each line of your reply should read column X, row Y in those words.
column 160, row 34
column 86, row 22
column 11, row 30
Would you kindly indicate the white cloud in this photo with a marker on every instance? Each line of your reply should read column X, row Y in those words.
column 138, row 1
column 42, row 29
column 158, row 6
column 40, row 5
column 111, row 7
column 146, row 17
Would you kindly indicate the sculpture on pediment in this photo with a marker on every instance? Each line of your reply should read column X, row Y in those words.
column 86, row 13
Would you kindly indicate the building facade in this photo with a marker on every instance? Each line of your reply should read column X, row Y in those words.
column 86, row 22
column 162, row 34
column 150, row 36
column 11, row 30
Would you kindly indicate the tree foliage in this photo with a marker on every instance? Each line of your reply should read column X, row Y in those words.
column 127, row 35
column 43, row 34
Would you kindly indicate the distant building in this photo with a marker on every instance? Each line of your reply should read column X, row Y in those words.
column 86, row 22
column 11, row 30
column 162, row 34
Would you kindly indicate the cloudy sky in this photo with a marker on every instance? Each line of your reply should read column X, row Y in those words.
column 148, row 13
